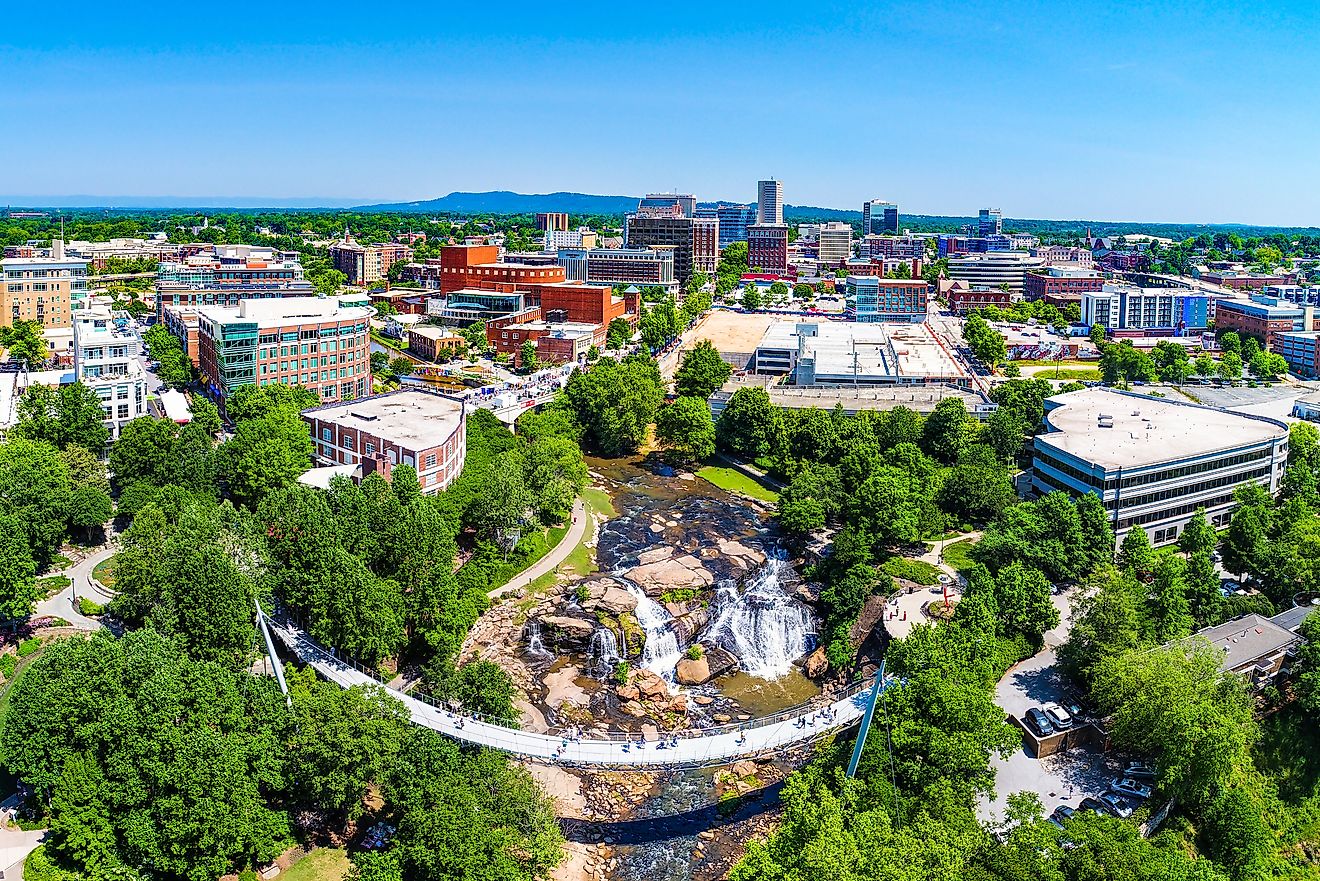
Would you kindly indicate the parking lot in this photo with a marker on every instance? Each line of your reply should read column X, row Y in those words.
column 1064, row 778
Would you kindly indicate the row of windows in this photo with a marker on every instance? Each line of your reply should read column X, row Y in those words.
column 306, row 348
column 1177, row 511
column 1179, row 491
column 1152, row 476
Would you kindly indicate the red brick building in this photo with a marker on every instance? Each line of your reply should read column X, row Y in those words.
column 963, row 300
column 1262, row 320
column 767, row 248
column 1248, row 281
column 469, row 266
column 557, row 342
column 414, row 427
column 1061, row 286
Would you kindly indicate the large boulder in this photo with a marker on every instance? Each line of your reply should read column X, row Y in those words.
column 604, row 595
column 651, row 686
column 817, row 664
column 692, row 671
column 567, row 632
column 671, row 574
column 690, row 620
column 719, row 661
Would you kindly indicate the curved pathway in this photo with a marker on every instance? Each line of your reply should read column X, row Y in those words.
column 686, row 749
column 550, row 561
column 62, row 604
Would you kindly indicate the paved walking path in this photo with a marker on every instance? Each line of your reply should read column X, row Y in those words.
column 550, row 561
column 62, row 604
column 685, row 749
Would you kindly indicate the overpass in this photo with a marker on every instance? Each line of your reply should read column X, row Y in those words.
column 690, row 748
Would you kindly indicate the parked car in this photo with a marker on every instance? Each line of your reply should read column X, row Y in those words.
column 1142, row 770
column 1094, row 805
column 1060, row 718
column 1062, row 813
column 1131, row 787
column 1038, row 722
column 1116, row 804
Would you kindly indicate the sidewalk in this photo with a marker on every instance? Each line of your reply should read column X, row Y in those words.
column 550, row 561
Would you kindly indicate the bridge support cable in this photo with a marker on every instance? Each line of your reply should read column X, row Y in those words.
column 274, row 659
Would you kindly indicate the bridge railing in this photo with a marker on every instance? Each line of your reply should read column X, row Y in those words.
column 815, row 705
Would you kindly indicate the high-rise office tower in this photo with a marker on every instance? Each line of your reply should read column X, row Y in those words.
column 769, row 202
column 879, row 216
column 990, row 222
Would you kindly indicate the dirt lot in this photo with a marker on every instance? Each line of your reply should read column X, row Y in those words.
column 730, row 331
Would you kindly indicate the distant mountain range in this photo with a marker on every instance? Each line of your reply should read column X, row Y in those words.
column 506, row 202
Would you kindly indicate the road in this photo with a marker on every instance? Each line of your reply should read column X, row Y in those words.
column 550, row 561
column 15, row 845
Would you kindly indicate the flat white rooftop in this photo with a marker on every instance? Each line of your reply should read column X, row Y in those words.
column 411, row 418
column 867, row 348
column 279, row 311
column 1145, row 430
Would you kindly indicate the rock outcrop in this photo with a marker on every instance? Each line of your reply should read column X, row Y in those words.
column 692, row 671
column 817, row 664
column 670, row 574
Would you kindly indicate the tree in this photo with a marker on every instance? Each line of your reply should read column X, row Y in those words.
column 71, row 414
column 35, row 490
column 660, row 324
column 617, row 335
column 344, row 741
column 1198, row 536
column 254, row 402
column 527, row 358
column 1170, row 612
column 1268, row 365
column 478, row 686
column 402, row 366
column 1135, row 555
column 1230, row 366
column 329, row 282
column 986, row 343
column 686, row 427
column 18, row 590
column 748, row 423
column 1175, row 704
column 615, row 402
column 266, row 453
column 978, row 487
column 1097, row 334
column 1204, row 365
column 1106, row 623
column 702, row 372
column 1245, row 540
column 25, row 342
column 947, row 429
column 751, row 297
column 173, row 364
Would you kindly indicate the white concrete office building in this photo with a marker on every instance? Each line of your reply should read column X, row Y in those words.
column 994, row 269
column 105, row 360
column 1154, row 461
column 770, row 202
column 834, row 242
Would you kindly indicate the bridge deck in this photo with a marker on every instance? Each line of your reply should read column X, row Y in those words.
column 686, row 749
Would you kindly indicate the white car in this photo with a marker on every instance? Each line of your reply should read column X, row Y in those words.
column 1129, row 786
column 1059, row 717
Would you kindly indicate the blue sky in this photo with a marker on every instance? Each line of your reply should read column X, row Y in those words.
column 1196, row 112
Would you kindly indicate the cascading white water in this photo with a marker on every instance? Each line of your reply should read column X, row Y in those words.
column 661, row 653
column 604, row 650
column 764, row 626
column 532, row 634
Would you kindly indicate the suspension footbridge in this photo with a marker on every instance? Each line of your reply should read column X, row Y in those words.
column 690, row 748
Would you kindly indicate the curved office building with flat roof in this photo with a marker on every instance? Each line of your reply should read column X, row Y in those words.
column 1153, row 461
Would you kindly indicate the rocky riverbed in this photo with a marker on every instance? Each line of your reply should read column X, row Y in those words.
column 691, row 619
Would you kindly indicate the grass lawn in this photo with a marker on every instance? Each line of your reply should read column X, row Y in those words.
column 104, row 572
column 322, row 864
column 53, row 584
column 956, row 554
column 913, row 570
column 735, row 481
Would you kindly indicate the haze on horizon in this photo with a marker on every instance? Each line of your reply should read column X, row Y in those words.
column 1160, row 111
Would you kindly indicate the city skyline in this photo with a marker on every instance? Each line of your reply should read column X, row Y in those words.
column 1123, row 112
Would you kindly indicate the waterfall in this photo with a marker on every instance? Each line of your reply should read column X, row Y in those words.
column 604, row 650
column 764, row 626
column 661, row 653
column 532, row 633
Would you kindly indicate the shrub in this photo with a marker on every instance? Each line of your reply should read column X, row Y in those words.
column 8, row 663
column 28, row 647
column 89, row 608
column 695, row 652
column 621, row 672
